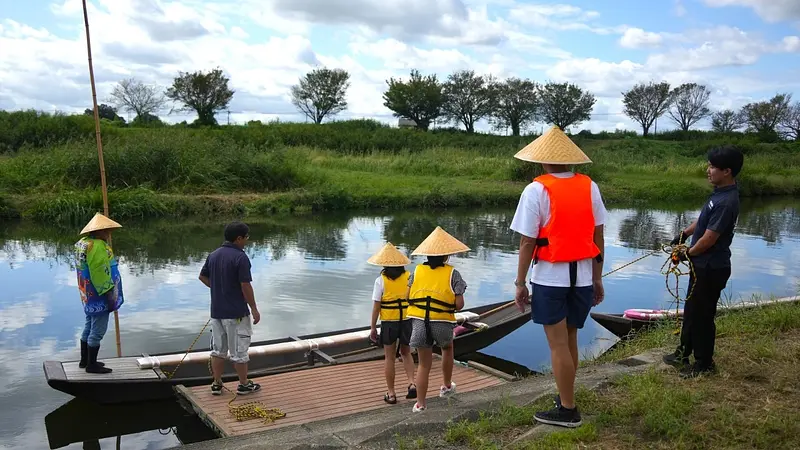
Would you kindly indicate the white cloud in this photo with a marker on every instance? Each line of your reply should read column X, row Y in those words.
column 769, row 10
column 638, row 38
column 679, row 8
column 559, row 17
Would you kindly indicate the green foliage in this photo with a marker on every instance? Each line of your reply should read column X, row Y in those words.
column 321, row 93
column 203, row 93
column 419, row 99
column 645, row 103
column 564, row 104
column 32, row 128
column 468, row 98
column 182, row 160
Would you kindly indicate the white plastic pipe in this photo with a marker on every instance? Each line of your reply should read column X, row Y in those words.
column 151, row 362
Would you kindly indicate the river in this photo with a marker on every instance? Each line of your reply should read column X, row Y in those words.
column 310, row 275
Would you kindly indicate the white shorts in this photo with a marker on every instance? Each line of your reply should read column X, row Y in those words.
column 231, row 335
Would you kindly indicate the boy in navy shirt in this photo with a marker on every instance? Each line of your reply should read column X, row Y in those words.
column 710, row 253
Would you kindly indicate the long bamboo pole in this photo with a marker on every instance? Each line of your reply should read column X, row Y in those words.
column 99, row 148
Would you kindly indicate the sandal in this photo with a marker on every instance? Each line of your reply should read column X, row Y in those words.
column 390, row 399
column 412, row 391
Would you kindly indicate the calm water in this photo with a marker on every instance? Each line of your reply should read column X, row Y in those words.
column 310, row 275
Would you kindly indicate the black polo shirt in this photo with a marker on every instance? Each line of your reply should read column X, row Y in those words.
column 719, row 214
column 227, row 268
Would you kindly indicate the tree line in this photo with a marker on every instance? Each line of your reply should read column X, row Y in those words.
column 464, row 98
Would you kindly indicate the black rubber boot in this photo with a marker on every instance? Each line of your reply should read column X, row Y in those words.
column 93, row 366
column 85, row 355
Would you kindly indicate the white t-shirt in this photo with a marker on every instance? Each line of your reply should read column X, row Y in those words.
column 377, row 291
column 533, row 212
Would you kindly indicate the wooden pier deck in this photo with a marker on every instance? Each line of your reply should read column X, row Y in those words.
column 324, row 393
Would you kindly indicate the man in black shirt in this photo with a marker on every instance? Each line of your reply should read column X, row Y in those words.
column 227, row 273
column 710, row 254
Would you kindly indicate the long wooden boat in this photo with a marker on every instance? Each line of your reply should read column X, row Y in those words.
column 626, row 327
column 147, row 377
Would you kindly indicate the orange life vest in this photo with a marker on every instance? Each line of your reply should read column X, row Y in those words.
column 568, row 236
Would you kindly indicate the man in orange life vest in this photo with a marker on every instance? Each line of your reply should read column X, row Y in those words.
column 560, row 217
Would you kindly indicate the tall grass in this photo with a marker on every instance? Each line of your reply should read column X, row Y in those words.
column 50, row 167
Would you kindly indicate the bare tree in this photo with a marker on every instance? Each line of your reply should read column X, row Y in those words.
column 690, row 104
column 564, row 104
column 516, row 104
column 645, row 103
column 764, row 117
column 468, row 97
column 321, row 92
column 727, row 121
column 791, row 122
column 134, row 96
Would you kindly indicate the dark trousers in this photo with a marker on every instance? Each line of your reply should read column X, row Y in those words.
column 699, row 331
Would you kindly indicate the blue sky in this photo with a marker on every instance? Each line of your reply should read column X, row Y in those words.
column 744, row 50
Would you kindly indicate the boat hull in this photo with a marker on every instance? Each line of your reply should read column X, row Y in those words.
column 118, row 389
column 621, row 326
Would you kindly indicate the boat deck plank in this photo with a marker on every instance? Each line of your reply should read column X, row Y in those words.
column 122, row 368
column 324, row 393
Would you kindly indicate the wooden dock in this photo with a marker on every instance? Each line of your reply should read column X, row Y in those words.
column 324, row 393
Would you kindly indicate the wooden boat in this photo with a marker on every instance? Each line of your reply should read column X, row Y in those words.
column 147, row 377
column 621, row 326
column 626, row 327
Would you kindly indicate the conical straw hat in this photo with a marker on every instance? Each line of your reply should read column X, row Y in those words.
column 99, row 222
column 553, row 147
column 389, row 256
column 440, row 243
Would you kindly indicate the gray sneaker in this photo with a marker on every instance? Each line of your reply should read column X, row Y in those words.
column 248, row 388
column 216, row 389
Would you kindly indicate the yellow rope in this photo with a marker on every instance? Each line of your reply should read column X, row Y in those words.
column 674, row 266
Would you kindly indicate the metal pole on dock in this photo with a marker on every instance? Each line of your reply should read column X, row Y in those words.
column 99, row 148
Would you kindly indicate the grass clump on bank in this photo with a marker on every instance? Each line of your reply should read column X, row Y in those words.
column 751, row 403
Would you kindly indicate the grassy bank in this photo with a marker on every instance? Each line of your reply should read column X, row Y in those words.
column 244, row 170
column 750, row 403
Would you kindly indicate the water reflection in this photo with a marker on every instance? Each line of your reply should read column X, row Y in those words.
column 310, row 275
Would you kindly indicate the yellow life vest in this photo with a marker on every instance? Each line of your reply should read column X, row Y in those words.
column 432, row 293
column 393, row 300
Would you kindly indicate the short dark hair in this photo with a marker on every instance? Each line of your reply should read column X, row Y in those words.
column 727, row 157
column 234, row 230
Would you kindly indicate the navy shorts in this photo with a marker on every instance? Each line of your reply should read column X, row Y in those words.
column 392, row 331
column 550, row 305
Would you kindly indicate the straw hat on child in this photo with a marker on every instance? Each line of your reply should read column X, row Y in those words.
column 553, row 147
column 440, row 243
column 389, row 256
column 99, row 222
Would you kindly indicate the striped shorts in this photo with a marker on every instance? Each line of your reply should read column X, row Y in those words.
column 441, row 334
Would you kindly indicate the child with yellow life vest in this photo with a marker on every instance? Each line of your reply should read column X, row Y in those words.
column 389, row 303
column 436, row 292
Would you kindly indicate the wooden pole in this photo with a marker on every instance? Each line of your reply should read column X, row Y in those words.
column 99, row 148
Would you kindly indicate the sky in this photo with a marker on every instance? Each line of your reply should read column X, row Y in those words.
column 743, row 50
